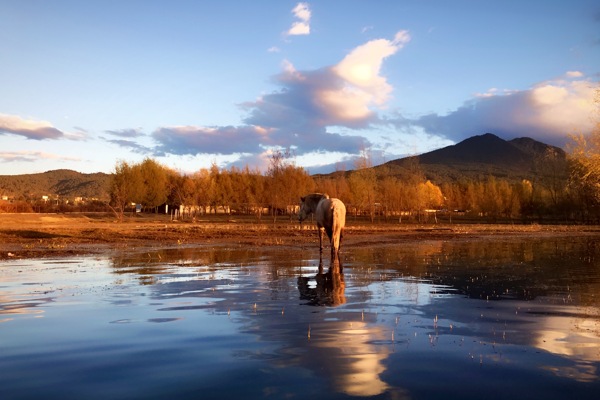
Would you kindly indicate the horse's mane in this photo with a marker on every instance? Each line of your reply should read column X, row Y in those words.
column 316, row 197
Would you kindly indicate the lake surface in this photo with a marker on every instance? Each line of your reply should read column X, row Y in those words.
column 496, row 319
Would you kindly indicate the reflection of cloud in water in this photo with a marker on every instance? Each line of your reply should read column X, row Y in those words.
column 404, row 280
column 243, row 310
column 11, row 306
column 575, row 337
column 355, row 364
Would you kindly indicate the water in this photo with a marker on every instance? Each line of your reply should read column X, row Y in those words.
column 490, row 319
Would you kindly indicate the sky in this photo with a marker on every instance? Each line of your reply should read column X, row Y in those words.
column 87, row 84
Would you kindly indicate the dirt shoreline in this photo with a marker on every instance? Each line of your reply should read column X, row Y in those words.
column 59, row 235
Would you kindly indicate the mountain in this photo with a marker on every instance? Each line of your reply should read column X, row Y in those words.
column 62, row 182
column 474, row 158
column 478, row 157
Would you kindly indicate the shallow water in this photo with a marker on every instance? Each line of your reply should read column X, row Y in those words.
column 487, row 319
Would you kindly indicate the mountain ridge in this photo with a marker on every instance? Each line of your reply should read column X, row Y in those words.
column 477, row 157
column 480, row 156
column 60, row 182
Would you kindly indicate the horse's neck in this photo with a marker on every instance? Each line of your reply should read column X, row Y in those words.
column 316, row 201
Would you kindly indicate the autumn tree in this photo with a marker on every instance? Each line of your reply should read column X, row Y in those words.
column 453, row 197
column 363, row 184
column 212, row 187
column 224, row 193
column 429, row 197
column 279, row 187
column 239, row 186
column 335, row 185
column 255, row 191
column 585, row 162
column 389, row 195
column 156, row 184
column 126, row 186
column 550, row 182
column 183, row 192
column 205, row 189
column 298, row 182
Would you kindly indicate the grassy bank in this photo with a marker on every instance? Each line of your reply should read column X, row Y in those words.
column 38, row 235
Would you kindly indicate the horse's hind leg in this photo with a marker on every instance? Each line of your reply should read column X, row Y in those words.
column 329, row 232
column 320, row 239
column 335, row 243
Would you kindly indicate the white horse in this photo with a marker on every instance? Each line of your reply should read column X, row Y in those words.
column 331, row 218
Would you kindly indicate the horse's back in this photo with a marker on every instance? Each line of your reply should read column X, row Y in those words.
column 329, row 210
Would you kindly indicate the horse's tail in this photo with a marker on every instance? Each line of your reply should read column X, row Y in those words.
column 339, row 220
column 335, row 239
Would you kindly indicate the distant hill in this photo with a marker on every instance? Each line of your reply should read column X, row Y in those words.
column 474, row 158
column 478, row 157
column 62, row 182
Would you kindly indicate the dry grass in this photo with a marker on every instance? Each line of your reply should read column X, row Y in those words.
column 39, row 235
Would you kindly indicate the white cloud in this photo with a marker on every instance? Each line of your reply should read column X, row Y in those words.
column 306, row 113
column 36, row 130
column 491, row 92
column 302, row 26
column 561, row 107
column 574, row 74
column 32, row 156
column 210, row 140
column 548, row 111
column 361, row 86
column 302, row 12
column 126, row 133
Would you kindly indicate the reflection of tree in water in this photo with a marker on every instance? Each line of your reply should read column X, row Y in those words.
column 150, row 263
column 261, row 294
column 330, row 286
column 521, row 269
column 506, row 268
column 560, row 274
column 259, row 301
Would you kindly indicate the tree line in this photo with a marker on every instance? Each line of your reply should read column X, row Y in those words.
column 561, row 189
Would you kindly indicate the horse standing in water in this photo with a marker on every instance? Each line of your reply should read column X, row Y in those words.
column 330, row 215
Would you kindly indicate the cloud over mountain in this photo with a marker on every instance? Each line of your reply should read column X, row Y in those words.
column 303, row 113
column 548, row 111
column 32, row 156
column 35, row 130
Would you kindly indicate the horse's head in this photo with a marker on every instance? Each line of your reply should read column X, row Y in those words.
column 304, row 210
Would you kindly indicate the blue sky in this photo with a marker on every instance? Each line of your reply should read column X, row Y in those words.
column 84, row 84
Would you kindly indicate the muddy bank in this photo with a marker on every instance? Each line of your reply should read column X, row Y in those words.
column 49, row 235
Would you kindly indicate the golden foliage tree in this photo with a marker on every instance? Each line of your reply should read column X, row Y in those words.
column 126, row 186
column 155, row 179
column 584, row 158
column 363, row 184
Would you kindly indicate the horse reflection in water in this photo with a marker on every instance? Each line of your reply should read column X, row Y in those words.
column 357, row 370
column 330, row 215
column 330, row 287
